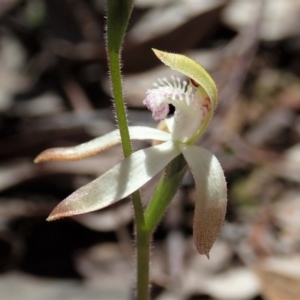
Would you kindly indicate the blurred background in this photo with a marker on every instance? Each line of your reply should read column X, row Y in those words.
column 54, row 91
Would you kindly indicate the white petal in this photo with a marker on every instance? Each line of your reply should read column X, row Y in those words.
column 148, row 133
column 211, row 199
column 117, row 183
column 100, row 144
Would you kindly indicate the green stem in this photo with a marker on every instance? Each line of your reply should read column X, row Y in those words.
column 117, row 89
column 164, row 192
column 115, row 72
column 116, row 79
column 143, row 239
column 118, row 14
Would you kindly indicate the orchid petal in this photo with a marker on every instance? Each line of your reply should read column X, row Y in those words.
column 118, row 182
column 100, row 144
column 211, row 198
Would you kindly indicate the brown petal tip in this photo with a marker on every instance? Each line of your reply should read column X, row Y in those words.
column 48, row 155
column 59, row 154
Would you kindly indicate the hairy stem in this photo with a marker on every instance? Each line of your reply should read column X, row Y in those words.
column 118, row 14
column 143, row 240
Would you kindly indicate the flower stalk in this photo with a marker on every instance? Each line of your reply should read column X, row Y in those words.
column 115, row 9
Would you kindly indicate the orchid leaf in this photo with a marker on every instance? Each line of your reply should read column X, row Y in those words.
column 118, row 14
column 118, row 182
column 211, row 196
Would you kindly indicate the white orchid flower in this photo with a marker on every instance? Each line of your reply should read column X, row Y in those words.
column 194, row 104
